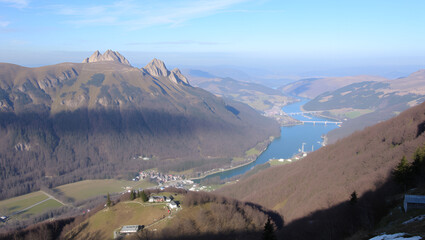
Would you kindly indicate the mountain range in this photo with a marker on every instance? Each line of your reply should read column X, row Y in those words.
column 313, row 87
column 359, row 101
column 255, row 95
column 66, row 122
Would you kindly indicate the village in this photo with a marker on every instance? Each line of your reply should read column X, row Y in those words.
column 164, row 180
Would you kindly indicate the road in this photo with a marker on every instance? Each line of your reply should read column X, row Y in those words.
column 52, row 197
column 27, row 208
column 35, row 204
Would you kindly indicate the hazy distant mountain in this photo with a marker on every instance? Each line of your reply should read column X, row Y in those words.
column 256, row 95
column 70, row 121
column 312, row 87
column 376, row 101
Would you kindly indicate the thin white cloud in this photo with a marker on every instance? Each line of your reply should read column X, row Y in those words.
column 4, row 23
column 187, row 42
column 140, row 14
column 16, row 3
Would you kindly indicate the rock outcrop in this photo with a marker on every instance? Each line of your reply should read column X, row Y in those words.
column 108, row 56
column 157, row 68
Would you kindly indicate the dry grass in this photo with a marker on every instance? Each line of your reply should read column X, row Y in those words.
column 103, row 223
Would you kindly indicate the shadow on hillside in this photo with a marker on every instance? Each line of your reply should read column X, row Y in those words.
column 345, row 219
column 249, row 235
column 275, row 217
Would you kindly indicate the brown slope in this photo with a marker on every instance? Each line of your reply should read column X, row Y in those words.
column 328, row 176
column 414, row 83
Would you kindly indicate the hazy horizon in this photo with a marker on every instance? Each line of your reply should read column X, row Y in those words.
column 281, row 38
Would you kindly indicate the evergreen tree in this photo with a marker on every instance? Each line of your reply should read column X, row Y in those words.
column 353, row 198
column 418, row 165
column 108, row 201
column 402, row 173
column 138, row 194
column 132, row 195
column 268, row 233
column 143, row 196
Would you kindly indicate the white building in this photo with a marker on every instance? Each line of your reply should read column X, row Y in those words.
column 130, row 229
column 172, row 205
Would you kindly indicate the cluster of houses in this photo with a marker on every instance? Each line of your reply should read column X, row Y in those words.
column 160, row 199
column 158, row 177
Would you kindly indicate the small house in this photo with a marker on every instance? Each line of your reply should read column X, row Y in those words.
column 130, row 229
column 413, row 201
column 157, row 199
column 3, row 218
column 172, row 205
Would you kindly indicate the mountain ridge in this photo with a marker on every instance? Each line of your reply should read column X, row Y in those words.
column 89, row 120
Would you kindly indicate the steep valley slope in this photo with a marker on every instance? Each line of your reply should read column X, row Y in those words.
column 72, row 121
column 303, row 191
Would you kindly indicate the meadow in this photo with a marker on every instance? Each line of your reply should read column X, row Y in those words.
column 91, row 188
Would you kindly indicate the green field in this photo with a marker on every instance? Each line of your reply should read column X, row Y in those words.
column 18, row 203
column 47, row 205
column 252, row 151
column 92, row 188
column 357, row 113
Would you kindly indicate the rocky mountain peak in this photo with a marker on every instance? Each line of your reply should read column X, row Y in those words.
column 108, row 56
column 157, row 68
column 177, row 77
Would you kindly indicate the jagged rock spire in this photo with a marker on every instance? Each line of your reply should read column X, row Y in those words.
column 157, row 68
column 108, row 56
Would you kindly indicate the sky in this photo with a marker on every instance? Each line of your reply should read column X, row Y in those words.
column 307, row 35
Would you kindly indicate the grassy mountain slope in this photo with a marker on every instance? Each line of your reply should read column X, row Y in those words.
column 361, row 162
column 200, row 216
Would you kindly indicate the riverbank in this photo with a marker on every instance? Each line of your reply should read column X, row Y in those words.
column 254, row 158
column 293, row 138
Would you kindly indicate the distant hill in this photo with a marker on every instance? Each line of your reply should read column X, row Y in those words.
column 364, row 95
column 256, row 95
column 378, row 101
column 303, row 191
column 313, row 87
column 71, row 121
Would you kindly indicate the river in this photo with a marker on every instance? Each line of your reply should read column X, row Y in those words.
column 289, row 143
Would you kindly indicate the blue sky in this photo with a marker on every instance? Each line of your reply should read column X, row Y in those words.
column 283, row 33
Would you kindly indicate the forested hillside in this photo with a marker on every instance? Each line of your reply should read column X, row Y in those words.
column 68, row 122
column 362, row 163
